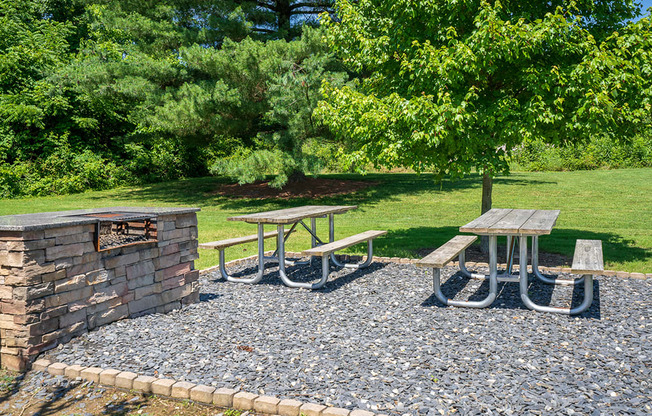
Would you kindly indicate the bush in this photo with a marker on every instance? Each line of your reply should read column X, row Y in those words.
column 601, row 152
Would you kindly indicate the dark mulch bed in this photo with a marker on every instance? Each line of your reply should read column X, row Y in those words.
column 305, row 188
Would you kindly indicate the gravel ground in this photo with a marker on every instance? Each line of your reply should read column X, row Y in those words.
column 378, row 339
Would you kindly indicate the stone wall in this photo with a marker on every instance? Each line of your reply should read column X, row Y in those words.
column 54, row 285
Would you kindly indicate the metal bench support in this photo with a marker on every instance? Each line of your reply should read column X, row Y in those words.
column 493, row 281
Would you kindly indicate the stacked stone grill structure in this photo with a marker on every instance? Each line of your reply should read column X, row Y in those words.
column 54, row 285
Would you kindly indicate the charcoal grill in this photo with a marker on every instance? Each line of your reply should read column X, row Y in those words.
column 122, row 229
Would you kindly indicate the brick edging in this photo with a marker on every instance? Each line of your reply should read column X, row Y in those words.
column 183, row 390
column 469, row 264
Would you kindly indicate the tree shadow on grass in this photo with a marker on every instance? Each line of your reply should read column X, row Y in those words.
column 389, row 186
column 416, row 241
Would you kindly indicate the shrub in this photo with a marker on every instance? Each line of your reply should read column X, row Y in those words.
column 601, row 152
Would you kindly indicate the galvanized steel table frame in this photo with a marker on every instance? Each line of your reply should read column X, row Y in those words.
column 521, row 224
column 294, row 216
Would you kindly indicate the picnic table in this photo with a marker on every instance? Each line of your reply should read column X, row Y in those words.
column 516, row 224
column 295, row 216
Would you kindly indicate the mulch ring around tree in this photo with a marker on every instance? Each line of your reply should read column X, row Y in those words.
column 305, row 188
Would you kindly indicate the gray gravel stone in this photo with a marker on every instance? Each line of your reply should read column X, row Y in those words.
column 378, row 340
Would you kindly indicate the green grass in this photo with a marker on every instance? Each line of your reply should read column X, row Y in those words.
column 614, row 206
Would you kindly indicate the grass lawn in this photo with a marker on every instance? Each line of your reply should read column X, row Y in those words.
column 614, row 206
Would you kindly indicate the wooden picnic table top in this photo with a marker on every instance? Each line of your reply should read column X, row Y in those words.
column 292, row 215
column 513, row 222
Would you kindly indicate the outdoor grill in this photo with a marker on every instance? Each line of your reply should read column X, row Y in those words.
column 121, row 229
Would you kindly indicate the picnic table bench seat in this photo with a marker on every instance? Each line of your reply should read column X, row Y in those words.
column 222, row 244
column 230, row 242
column 436, row 260
column 587, row 261
column 326, row 251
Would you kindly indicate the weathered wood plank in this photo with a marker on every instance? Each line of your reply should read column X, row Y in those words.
column 292, row 215
column 237, row 240
column 447, row 252
column 541, row 222
column 343, row 243
column 512, row 222
column 587, row 258
column 483, row 223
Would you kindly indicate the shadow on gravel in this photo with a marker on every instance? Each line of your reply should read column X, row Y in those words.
column 460, row 288
column 305, row 274
column 205, row 297
column 9, row 385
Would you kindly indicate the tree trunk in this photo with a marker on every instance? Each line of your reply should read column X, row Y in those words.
column 487, row 184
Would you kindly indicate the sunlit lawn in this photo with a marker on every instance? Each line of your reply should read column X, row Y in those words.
column 614, row 206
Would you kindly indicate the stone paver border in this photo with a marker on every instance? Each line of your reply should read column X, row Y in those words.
column 182, row 390
column 470, row 265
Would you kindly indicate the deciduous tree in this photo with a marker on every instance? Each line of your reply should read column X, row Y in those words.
column 453, row 86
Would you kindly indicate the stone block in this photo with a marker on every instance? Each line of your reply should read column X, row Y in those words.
column 57, row 369
column 169, row 272
column 125, row 380
column 107, row 293
column 95, row 277
column 266, row 404
column 6, row 292
column 143, row 383
column 360, row 412
column 42, row 327
column 622, row 274
column 151, row 289
column 202, row 394
column 244, row 401
column 189, row 257
column 91, row 374
column 150, row 253
column 74, row 371
column 70, row 283
column 53, row 312
column 192, row 276
column 14, row 362
column 60, row 252
column 312, row 409
column 30, row 245
column 289, row 407
column 169, row 249
column 181, row 389
column 162, row 386
column 173, row 282
column 140, row 269
column 186, row 220
column 107, row 377
column 72, row 318
column 41, row 365
column 74, row 238
column 83, row 268
column 54, row 276
column 148, row 302
column 108, row 316
column 68, row 297
column 224, row 397
column 163, row 262
column 67, row 230
column 335, row 411
column 121, row 260
column 140, row 281
column 637, row 275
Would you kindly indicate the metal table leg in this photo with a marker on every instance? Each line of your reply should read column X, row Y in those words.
column 588, row 289
column 261, row 262
column 281, row 266
column 537, row 272
column 493, row 281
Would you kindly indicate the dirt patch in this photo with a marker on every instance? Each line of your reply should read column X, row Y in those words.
column 36, row 393
column 313, row 188
column 474, row 254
